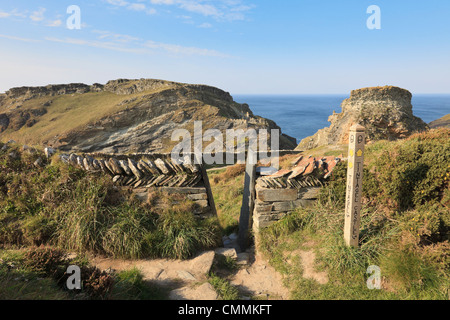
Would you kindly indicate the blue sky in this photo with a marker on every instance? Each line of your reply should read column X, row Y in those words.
column 241, row 46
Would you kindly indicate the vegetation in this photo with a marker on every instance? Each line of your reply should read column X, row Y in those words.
column 223, row 287
column 68, row 112
column 130, row 285
column 228, row 188
column 71, row 209
column 404, row 228
column 40, row 274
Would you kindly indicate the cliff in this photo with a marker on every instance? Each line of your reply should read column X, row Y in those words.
column 441, row 122
column 122, row 116
column 386, row 112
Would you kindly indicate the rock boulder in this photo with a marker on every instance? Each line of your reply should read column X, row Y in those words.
column 386, row 112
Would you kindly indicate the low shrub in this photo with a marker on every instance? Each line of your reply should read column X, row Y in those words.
column 179, row 235
column 60, row 205
column 45, row 260
column 404, row 226
column 53, row 263
column 96, row 283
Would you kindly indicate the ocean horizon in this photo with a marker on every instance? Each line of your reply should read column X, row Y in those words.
column 302, row 115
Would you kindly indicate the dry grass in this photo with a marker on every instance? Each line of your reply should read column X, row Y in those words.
column 69, row 112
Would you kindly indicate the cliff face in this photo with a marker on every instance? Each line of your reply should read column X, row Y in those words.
column 121, row 116
column 386, row 112
column 443, row 122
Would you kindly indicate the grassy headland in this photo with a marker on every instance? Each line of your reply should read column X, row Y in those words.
column 404, row 228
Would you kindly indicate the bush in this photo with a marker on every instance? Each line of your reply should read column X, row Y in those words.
column 45, row 260
column 51, row 262
column 179, row 235
column 411, row 173
column 404, row 224
column 408, row 180
column 38, row 230
column 97, row 284
column 125, row 237
column 63, row 206
column 335, row 190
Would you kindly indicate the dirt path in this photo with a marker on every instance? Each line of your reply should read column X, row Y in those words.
column 187, row 280
column 309, row 271
column 260, row 280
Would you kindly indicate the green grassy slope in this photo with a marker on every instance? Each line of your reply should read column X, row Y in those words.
column 405, row 227
column 67, row 113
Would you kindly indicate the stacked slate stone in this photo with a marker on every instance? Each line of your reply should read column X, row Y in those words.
column 279, row 194
column 141, row 173
column 307, row 172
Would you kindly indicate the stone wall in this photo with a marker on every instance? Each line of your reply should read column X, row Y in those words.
column 144, row 174
column 199, row 195
column 274, row 204
column 280, row 194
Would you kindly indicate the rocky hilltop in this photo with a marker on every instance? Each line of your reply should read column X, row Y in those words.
column 386, row 112
column 122, row 116
column 441, row 122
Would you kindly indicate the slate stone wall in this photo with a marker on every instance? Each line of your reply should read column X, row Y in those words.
column 279, row 194
column 145, row 173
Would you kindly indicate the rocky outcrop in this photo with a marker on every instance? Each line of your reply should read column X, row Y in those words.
column 386, row 112
column 443, row 122
column 144, row 114
column 50, row 90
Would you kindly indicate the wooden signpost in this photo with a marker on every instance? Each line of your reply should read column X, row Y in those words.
column 354, row 185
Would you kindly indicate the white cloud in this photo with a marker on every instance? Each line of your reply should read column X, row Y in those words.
column 205, row 25
column 55, row 23
column 225, row 10
column 120, row 3
column 38, row 15
column 13, row 13
column 18, row 38
column 132, row 6
column 167, row 2
column 125, row 43
column 137, row 7
column 177, row 49
column 96, row 44
column 122, row 38
column 196, row 7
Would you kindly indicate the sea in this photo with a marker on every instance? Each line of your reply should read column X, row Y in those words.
column 301, row 116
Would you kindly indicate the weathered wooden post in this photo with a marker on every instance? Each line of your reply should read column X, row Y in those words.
column 354, row 185
column 248, row 200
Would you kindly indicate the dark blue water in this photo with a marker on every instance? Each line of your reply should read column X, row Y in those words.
column 300, row 116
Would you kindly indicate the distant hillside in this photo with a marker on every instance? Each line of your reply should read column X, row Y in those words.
column 122, row 116
column 441, row 122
